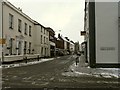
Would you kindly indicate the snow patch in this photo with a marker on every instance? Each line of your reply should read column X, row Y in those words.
column 58, row 57
column 46, row 83
column 77, row 70
column 108, row 75
column 80, row 73
column 25, row 64
column 75, row 74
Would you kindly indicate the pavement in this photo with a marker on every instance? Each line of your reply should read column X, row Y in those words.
column 83, row 69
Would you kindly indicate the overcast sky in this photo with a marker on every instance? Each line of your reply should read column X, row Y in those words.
column 64, row 15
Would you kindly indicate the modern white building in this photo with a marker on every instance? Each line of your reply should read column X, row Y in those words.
column 102, row 34
column 20, row 36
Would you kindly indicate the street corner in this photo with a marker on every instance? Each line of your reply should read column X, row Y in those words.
column 85, row 71
column 73, row 71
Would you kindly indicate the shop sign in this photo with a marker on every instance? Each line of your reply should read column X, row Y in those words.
column 2, row 41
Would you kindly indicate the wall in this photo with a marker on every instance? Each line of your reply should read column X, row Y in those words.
column 37, row 39
column 106, row 32
column 13, row 33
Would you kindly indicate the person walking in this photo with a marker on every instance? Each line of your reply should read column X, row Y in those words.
column 77, row 60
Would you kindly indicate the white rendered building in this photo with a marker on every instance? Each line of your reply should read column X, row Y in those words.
column 19, row 35
column 41, row 40
column 102, row 33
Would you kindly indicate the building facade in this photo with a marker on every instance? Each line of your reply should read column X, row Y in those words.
column 65, row 45
column 102, row 33
column 59, row 45
column 41, row 40
column 21, row 36
column 77, row 47
column 72, row 47
column 52, row 41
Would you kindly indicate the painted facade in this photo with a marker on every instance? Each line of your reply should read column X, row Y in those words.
column 21, row 35
column 102, row 33
column 52, row 41
column 41, row 40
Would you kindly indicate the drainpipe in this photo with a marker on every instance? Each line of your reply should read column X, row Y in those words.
column 2, row 33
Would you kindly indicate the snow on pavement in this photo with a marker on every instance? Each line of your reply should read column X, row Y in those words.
column 75, row 70
column 115, row 72
column 28, row 63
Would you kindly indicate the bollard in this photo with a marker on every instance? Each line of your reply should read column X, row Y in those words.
column 25, row 59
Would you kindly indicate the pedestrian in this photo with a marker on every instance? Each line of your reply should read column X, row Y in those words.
column 77, row 60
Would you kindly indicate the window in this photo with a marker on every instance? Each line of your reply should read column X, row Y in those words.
column 29, row 47
column 47, row 40
column 10, row 46
column 19, row 25
column 29, row 30
column 41, row 39
column 44, row 40
column 45, row 51
column 44, row 31
column 19, row 47
column 10, row 21
column 42, row 51
column 25, row 29
column 41, row 28
column 25, row 47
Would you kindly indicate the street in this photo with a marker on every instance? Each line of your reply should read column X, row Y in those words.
column 49, row 75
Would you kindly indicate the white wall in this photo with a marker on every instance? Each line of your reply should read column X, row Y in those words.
column 106, row 32
column 0, row 38
column 37, row 39
column 12, row 33
column 0, row 27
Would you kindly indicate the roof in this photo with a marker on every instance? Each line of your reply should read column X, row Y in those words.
column 50, row 29
column 18, row 10
column 37, row 23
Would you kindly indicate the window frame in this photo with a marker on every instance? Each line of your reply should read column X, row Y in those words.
column 25, row 47
column 30, row 30
column 11, row 21
column 30, row 47
column 19, row 25
column 26, row 28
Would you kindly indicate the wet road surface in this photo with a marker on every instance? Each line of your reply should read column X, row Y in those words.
column 49, row 75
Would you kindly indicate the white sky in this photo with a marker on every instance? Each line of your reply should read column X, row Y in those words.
column 64, row 15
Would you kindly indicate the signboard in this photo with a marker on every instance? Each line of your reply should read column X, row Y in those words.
column 2, row 41
column 83, row 33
